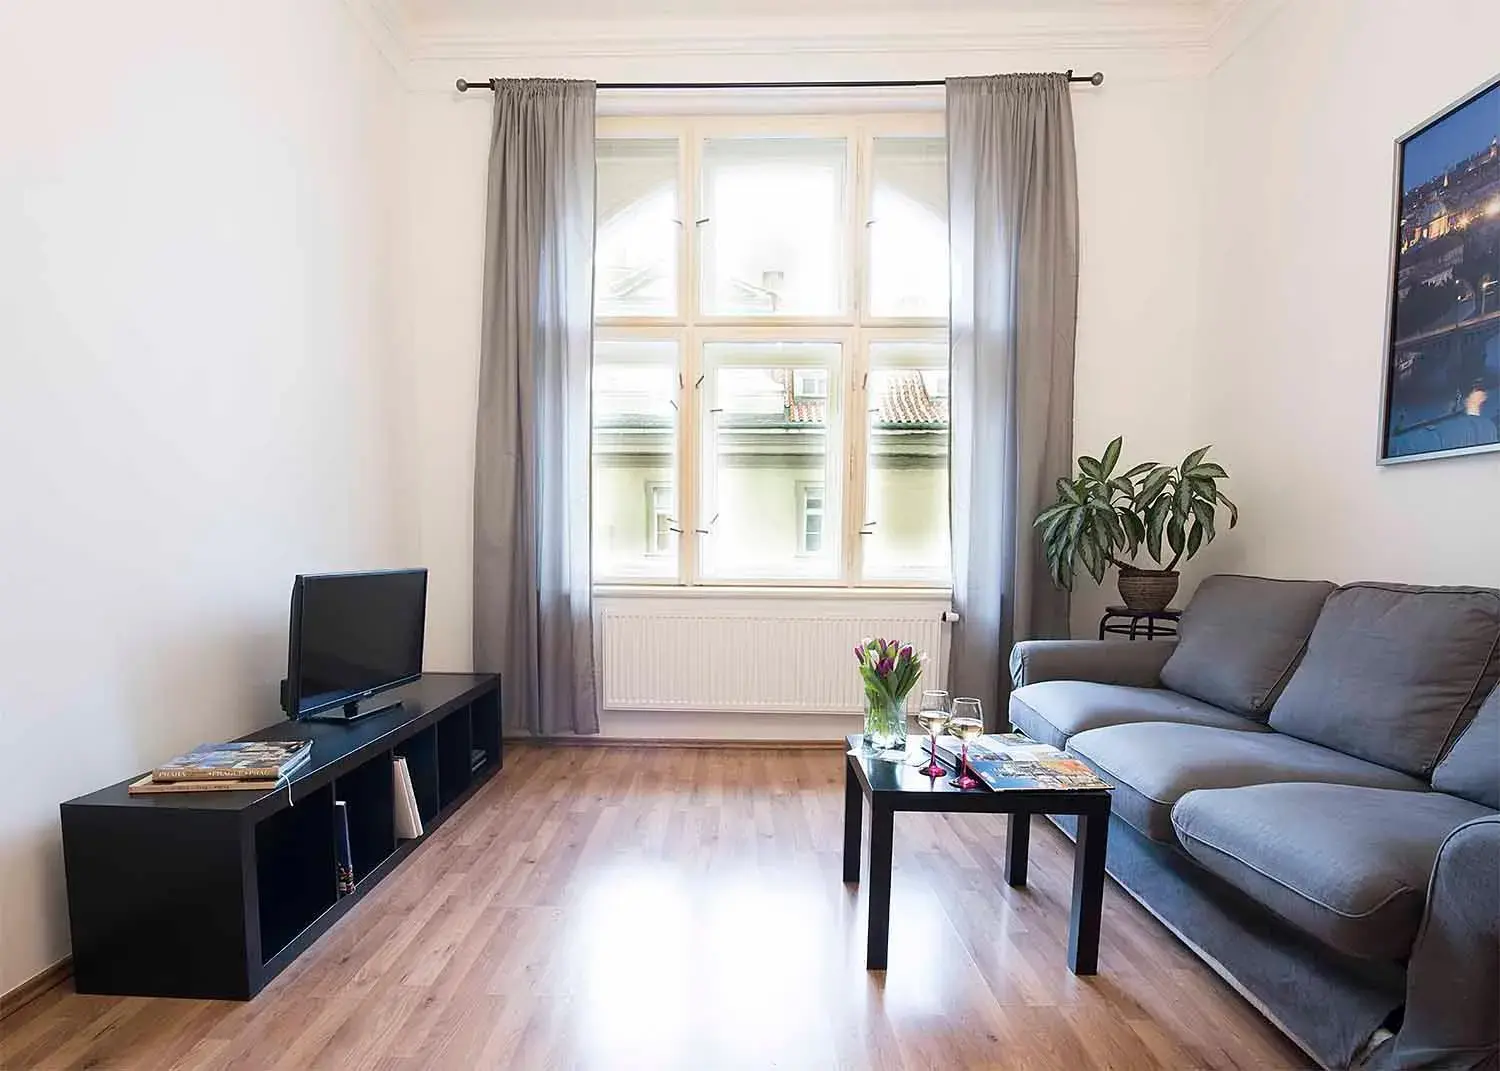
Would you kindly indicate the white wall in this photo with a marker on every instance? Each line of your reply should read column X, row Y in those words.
column 1140, row 154
column 197, row 396
column 1297, row 218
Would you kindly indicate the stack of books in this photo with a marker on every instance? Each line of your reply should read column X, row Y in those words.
column 251, row 764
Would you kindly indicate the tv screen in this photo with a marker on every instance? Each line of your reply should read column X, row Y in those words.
column 352, row 635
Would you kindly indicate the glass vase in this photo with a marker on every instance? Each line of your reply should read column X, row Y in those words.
column 885, row 723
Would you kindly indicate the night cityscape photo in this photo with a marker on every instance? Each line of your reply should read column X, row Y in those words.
column 1443, row 377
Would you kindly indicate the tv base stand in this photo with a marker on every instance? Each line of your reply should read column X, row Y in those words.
column 350, row 712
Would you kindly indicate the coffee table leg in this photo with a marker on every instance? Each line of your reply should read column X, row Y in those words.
column 882, row 821
column 1088, row 892
column 854, row 808
column 1017, row 847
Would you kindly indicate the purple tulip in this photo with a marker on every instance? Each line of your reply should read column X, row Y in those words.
column 907, row 653
column 886, row 665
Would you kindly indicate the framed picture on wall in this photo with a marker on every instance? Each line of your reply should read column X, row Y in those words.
column 1442, row 352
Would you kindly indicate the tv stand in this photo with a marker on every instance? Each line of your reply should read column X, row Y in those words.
column 210, row 895
column 355, row 710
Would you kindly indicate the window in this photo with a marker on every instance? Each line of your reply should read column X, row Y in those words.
column 810, row 510
column 771, row 371
column 659, row 521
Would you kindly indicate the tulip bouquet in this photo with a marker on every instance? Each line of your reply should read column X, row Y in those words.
column 889, row 670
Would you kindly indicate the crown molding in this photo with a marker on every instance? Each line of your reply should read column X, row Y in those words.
column 528, row 41
column 1236, row 22
column 387, row 29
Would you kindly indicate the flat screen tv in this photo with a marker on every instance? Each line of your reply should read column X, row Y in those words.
column 353, row 636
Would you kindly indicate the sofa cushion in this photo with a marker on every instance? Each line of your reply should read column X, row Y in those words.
column 1052, row 711
column 1153, row 765
column 1240, row 638
column 1393, row 673
column 1348, row 865
column 1471, row 768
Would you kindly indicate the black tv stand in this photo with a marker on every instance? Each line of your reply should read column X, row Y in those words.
column 354, row 711
column 210, row 895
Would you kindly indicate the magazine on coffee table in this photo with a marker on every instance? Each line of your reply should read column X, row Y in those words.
column 1010, row 761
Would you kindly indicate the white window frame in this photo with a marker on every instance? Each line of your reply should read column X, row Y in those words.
column 852, row 329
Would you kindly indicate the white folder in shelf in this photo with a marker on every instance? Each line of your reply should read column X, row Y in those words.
column 408, row 817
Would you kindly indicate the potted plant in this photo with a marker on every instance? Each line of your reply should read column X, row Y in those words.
column 1101, row 519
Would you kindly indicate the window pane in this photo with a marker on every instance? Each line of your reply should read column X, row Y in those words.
column 774, row 239
column 906, row 512
column 909, row 228
column 635, row 459
column 636, row 258
column 770, row 440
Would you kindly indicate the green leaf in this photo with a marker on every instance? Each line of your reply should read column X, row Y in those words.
column 1141, row 469
column 1120, row 485
column 1156, row 520
column 1089, row 467
column 1209, row 470
column 1135, row 529
column 1152, row 486
column 1191, row 461
column 1175, row 534
column 1194, row 539
column 1111, row 456
column 1234, row 511
column 1067, row 492
column 1203, row 513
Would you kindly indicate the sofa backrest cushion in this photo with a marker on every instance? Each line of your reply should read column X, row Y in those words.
column 1393, row 673
column 1471, row 768
column 1240, row 638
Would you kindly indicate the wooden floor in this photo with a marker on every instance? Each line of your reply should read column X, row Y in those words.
column 662, row 909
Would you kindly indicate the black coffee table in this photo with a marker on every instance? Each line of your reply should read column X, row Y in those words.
column 896, row 786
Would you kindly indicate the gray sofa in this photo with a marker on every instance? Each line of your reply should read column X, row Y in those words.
column 1307, row 791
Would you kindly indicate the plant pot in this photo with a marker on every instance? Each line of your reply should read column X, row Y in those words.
column 885, row 723
column 1148, row 589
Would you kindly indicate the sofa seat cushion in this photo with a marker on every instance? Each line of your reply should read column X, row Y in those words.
column 1348, row 865
column 1240, row 638
column 1052, row 711
column 1153, row 765
column 1393, row 673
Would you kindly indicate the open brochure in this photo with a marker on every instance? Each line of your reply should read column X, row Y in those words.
column 1010, row 761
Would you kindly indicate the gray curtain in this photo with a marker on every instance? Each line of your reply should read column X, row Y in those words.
column 1013, row 233
column 532, row 602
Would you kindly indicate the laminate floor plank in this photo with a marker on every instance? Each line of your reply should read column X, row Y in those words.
column 660, row 909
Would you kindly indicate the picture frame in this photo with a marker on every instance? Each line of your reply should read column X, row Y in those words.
column 1440, row 384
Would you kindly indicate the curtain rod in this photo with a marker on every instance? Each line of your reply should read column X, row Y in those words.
column 464, row 85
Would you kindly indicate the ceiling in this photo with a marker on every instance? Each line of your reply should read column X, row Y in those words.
column 424, row 13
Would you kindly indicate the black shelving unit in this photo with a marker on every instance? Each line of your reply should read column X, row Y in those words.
column 212, row 894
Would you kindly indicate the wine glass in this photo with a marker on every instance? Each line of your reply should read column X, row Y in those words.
column 932, row 717
column 966, row 723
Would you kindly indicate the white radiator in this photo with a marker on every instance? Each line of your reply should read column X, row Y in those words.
column 656, row 659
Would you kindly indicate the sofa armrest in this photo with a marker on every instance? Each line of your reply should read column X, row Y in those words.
column 1453, row 977
column 1100, row 661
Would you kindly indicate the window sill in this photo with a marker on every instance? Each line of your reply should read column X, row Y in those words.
column 778, row 591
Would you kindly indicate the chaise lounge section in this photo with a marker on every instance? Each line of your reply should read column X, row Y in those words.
column 1308, row 793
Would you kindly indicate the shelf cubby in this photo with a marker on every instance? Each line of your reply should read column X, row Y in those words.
column 294, row 869
column 453, row 746
column 484, row 722
column 369, row 797
column 421, row 754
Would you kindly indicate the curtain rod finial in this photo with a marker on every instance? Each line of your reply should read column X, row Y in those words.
column 1098, row 78
column 463, row 85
